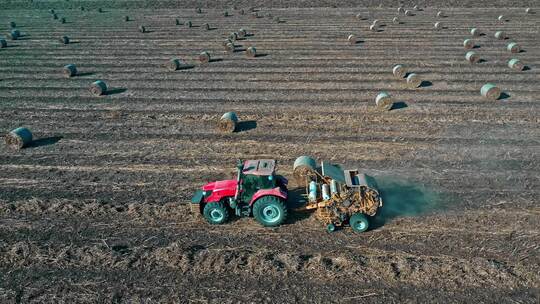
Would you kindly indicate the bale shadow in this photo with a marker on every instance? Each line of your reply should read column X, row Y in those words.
column 399, row 105
column 44, row 141
column 403, row 198
column 426, row 84
column 246, row 125
column 261, row 55
column 522, row 51
column 115, row 91
column 482, row 61
column 216, row 59
column 85, row 74
column 476, row 47
column 504, row 96
column 526, row 68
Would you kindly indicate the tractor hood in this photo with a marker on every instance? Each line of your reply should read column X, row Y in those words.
column 229, row 184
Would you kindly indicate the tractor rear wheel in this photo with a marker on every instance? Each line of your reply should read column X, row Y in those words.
column 215, row 213
column 359, row 222
column 270, row 211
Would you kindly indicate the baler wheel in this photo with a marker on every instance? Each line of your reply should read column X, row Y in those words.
column 270, row 211
column 215, row 213
column 359, row 222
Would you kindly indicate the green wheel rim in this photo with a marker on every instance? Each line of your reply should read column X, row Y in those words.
column 359, row 222
column 216, row 215
column 271, row 214
column 330, row 228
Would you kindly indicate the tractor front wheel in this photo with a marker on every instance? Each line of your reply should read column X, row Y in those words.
column 270, row 211
column 215, row 213
column 359, row 222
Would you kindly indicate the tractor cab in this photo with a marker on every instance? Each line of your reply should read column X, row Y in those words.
column 256, row 185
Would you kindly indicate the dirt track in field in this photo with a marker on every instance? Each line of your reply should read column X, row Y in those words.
column 97, row 209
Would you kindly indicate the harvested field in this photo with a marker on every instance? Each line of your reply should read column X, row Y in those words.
column 97, row 210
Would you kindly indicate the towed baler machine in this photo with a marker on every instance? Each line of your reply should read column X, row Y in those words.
column 339, row 197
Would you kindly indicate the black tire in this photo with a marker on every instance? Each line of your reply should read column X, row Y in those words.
column 216, row 213
column 270, row 211
column 359, row 222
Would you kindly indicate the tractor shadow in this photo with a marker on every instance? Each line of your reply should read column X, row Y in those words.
column 296, row 199
column 44, row 141
column 403, row 198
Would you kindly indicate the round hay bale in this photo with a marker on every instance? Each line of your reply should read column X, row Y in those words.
column 401, row 10
column 255, row 15
column 516, row 64
column 395, row 20
column 204, row 57
column 177, row 21
column 408, row 13
column 226, row 41
column 3, row 43
column 142, row 29
column 376, row 22
column 82, row 8
column 242, row 33
column 100, row 10
column 251, row 52
column 304, row 167
column 359, row 16
column 472, row 57
column 229, row 47
column 64, row 40
column 500, row 35
column 399, row 71
column 373, row 28
column 55, row 17
column 513, row 48
column 352, row 39
column 416, row 8
column 12, row 24
column 225, row 14
column 528, row 10
column 173, row 64
column 63, row 20
column 228, row 122
column 490, row 91
column 69, row 70
column 413, row 81
column 189, row 24
column 206, row 26
column 14, row 34
column 440, row 14
column 242, row 12
column 384, row 101
column 51, row 11
column 475, row 32
column 19, row 138
column 277, row 19
column 468, row 44
column 438, row 25
column 98, row 88
column 501, row 18
column 126, row 18
column 198, row 10
column 233, row 36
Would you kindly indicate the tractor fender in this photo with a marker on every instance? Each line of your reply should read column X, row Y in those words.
column 265, row 192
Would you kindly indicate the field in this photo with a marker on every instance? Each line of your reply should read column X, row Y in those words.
column 97, row 209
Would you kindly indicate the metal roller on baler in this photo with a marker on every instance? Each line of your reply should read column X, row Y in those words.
column 338, row 196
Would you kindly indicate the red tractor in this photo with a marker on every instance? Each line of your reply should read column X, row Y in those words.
column 256, row 191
